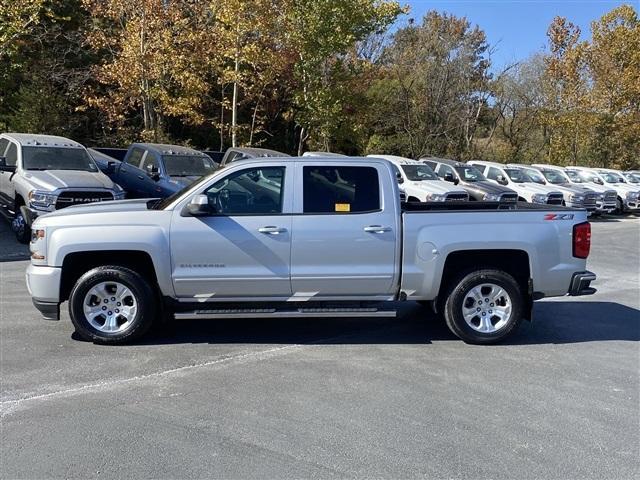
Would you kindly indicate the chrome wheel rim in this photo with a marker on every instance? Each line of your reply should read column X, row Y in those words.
column 18, row 225
column 487, row 308
column 110, row 307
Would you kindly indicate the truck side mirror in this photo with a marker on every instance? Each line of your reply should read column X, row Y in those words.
column 111, row 168
column 448, row 177
column 399, row 177
column 4, row 167
column 199, row 206
column 153, row 172
column 501, row 180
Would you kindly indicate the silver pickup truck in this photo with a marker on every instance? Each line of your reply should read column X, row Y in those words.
column 303, row 237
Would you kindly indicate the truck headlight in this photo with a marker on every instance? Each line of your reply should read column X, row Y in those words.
column 539, row 198
column 632, row 195
column 491, row 197
column 600, row 197
column 38, row 245
column 576, row 198
column 436, row 197
column 41, row 199
column 118, row 192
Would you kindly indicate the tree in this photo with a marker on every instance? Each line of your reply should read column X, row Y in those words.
column 433, row 89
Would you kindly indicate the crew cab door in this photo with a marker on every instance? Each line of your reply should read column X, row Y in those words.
column 130, row 176
column 242, row 249
column 345, row 231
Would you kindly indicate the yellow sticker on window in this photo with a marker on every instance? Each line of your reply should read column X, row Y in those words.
column 343, row 207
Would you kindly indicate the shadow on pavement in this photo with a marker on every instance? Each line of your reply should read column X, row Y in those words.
column 558, row 322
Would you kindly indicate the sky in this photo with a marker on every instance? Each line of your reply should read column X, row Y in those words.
column 517, row 27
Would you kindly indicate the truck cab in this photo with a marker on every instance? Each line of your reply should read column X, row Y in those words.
column 43, row 173
column 471, row 179
column 420, row 183
column 518, row 180
column 151, row 170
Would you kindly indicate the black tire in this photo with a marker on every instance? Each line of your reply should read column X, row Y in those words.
column 457, row 294
column 142, row 292
column 20, row 228
column 619, row 207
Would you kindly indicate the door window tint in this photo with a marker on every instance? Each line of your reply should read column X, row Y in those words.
column 12, row 154
column 3, row 146
column 257, row 191
column 444, row 169
column 334, row 189
column 482, row 168
column 135, row 157
column 150, row 161
column 493, row 173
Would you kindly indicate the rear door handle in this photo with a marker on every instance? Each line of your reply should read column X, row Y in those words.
column 271, row 230
column 377, row 229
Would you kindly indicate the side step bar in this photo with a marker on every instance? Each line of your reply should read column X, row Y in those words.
column 291, row 313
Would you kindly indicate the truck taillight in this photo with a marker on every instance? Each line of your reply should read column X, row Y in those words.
column 581, row 240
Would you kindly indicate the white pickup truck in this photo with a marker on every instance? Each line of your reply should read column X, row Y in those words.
column 303, row 237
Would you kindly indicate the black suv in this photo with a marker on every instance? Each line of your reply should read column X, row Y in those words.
column 471, row 179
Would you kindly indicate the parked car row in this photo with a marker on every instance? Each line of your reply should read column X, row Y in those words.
column 43, row 173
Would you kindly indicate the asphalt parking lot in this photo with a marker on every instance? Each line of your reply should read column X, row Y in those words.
column 391, row 398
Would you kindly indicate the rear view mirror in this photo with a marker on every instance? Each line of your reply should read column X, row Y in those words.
column 199, row 206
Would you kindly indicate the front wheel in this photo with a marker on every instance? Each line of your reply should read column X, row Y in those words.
column 112, row 305
column 21, row 228
column 484, row 306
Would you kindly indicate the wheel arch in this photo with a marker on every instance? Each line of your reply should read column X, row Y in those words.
column 76, row 264
column 512, row 261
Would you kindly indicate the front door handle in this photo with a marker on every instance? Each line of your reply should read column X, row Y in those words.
column 377, row 229
column 271, row 230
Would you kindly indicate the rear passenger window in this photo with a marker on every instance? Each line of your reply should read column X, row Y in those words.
column 337, row 189
column 3, row 146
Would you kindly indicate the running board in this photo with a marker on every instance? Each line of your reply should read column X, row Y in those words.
column 276, row 313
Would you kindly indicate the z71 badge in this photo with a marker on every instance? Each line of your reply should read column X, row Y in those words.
column 558, row 216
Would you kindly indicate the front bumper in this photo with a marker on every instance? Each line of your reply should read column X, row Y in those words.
column 581, row 284
column 43, row 284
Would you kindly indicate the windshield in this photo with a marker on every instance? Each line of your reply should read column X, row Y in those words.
column 470, row 174
column 57, row 158
column 555, row 177
column 631, row 178
column 590, row 177
column 535, row 176
column 611, row 177
column 417, row 173
column 187, row 165
column 516, row 175
column 574, row 176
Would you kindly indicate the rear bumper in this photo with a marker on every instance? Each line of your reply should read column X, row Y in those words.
column 581, row 284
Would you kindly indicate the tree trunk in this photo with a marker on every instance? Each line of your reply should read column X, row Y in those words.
column 222, row 119
column 303, row 137
column 234, row 109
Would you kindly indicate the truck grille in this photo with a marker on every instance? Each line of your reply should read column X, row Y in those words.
column 590, row 200
column 509, row 197
column 610, row 196
column 67, row 199
column 457, row 197
column 554, row 199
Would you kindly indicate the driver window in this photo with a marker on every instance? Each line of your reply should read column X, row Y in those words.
column 444, row 169
column 493, row 173
column 12, row 154
column 254, row 191
column 150, row 161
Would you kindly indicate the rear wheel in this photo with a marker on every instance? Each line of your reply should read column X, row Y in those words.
column 112, row 304
column 484, row 306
